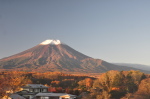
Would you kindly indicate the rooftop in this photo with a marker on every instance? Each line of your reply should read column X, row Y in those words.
column 55, row 94
column 16, row 96
column 34, row 86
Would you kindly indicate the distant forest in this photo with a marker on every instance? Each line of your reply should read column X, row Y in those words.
column 109, row 85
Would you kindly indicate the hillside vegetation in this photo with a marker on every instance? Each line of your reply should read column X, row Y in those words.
column 109, row 85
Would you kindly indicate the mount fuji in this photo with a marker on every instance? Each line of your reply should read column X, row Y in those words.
column 53, row 55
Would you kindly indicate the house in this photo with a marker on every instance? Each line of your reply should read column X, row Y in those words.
column 38, row 91
column 54, row 96
column 30, row 90
column 35, row 88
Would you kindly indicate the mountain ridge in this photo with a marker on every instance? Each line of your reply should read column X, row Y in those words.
column 52, row 55
column 138, row 66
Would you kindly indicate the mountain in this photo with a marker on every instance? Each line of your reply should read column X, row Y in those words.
column 138, row 66
column 53, row 55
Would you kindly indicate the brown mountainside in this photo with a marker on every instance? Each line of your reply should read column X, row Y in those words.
column 56, row 57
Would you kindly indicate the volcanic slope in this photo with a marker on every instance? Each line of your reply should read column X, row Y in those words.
column 52, row 55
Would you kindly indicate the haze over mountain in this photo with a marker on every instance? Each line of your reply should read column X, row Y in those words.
column 53, row 55
column 139, row 66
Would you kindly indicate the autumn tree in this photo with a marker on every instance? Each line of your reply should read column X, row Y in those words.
column 3, row 86
column 103, row 95
column 82, row 84
column 11, row 82
column 105, row 81
column 137, row 76
column 119, row 83
column 88, row 82
column 55, row 83
column 118, row 80
column 144, row 89
column 130, row 85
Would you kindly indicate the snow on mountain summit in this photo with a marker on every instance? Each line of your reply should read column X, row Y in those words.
column 52, row 42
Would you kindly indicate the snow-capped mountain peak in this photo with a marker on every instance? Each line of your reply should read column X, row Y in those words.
column 52, row 42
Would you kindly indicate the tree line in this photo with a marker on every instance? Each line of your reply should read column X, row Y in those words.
column 109, row 85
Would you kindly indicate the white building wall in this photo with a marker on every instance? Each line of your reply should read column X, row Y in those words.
column 44, row 90
column 36, row 90
column 26, row 89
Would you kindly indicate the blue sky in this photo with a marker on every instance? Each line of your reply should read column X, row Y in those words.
column 112, row 30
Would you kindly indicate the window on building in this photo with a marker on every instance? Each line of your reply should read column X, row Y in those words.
column 44, row 97
column 65, row 98
column 31, row 90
